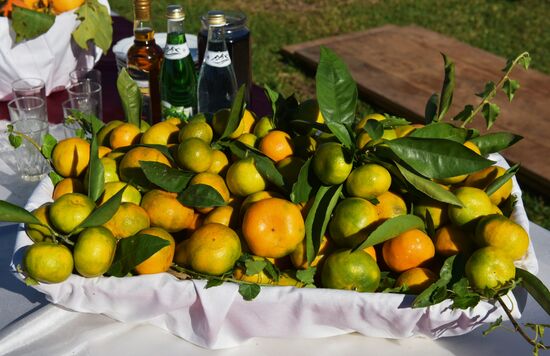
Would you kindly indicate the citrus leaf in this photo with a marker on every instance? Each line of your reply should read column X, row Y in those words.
column 235, row 114
column 130, row 97
column 441, row 130
column 437, row 158
column 29, row 24
column 437, row 292
column 273, row 97
column 271, row 270
column 200, row 196
column 463, row 297
column 15, row 140
column 55, row 177
column 525, row 60
column 447, row 90
column 391, row 228
column 535, row 288
column 306, row 182
column 426, row 186
column 96, row 171
column 254, row 266
column 47, row 145
column 493, row 326
column 306, row 275
column 374, row 128
column 133, row 250
column 464, row 114
column 500, row 181
column 103, row 213
column 249, row 291
column 95, row 24
column 263, row 163
column 12, row 213
column 318, row 216
column 489, row 87
column 213, row 282
column 430, row 112
column 490, row 112
column 510, row 87
column 170, row 179
column 495, row 141
column 391, row 122
column 336, row 94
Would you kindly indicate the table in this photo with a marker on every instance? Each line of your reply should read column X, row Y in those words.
column 29, row 325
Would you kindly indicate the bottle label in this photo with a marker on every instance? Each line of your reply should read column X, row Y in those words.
column 217, row 59
column 176, row 51
column 188, row 112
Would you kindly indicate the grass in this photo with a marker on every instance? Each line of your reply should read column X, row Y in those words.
column 505, row 28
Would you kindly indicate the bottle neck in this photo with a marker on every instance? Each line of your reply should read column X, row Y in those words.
column 216, row 39
column 143, row 27
column 175, row 26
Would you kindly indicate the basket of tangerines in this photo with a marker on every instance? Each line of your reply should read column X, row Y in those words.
column 51, row 38
column 307, row 223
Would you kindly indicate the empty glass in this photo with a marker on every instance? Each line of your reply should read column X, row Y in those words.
column 83, row 74
column 32, row 166
column 29, row 87
column 88, row 92
column 27, row 107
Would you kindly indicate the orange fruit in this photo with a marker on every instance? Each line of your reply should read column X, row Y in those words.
column 40, row 232
column 103, row 151
column 273, row 227
column 262, row 127
column 198, row 129
column 166, row 211
column 298, row 257
column 476, row 203
column 124, row 135
column 194, row 155
column 254, row 197
column 129, row 168
column 486, row 176
column 331, row 164
column 48, row 262
column 416, row 279
column 451, row 240
column 489, row 267
column 348, row 270
column 104, row 134
column 368, row 181
column 219, row 163
column 276, row 145
column 59, row 6
column 248, row 139
column 161, row 260
column 352, row 221
column 130, row 195
column 243, row 178
column 128, row 220
column 214, row 181
column 68, row 185
column 94, row 251
column 390, row 205
column 161, row 133
column 436, row 209
column 71, row 156
column 225, row 215
column 212, row 249
column 413, row 248
column 501, row 232
column 67, row 212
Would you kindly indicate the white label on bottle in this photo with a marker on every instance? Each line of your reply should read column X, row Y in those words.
column 176, row 51
column 217, row 59
column 142, row 83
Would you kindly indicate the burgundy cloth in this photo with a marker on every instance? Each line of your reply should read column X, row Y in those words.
column 112, row 109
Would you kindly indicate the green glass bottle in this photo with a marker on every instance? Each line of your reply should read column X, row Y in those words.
column 178, row 78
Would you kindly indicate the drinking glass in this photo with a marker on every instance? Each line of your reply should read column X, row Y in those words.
column 87, row 92
column 81, row 104
column 83, row 74
column 26, row 108
column 29, row 87
column 32, row 166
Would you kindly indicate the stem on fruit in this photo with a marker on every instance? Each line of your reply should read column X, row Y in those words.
column 519, row 329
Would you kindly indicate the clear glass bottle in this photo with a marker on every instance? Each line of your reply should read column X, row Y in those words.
column 178, row 79
column 217, row 84
column 144, row 61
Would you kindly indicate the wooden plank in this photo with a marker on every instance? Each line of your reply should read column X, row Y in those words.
column 399, row 68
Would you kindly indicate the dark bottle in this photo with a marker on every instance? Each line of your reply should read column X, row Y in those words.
column 238, row 41
column 178, row 79
column 144, row 61
column 217, row 85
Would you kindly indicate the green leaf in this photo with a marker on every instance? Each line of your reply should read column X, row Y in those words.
column 254, row 266
column 264, row 164
column 249, row 291
column 133, row 250
column 318, row 216
column 213, row 282
column 430, row 112
column 490, row 112
column 130, row 96
column 200, row 196
column 96, row 172
column 391, row 228
column 273, row 98
column 495, row 141
column 105, row 212
column 235, row 114
column 426, row 186
column 95, row 24
column 463, row 297
column 464, row 114
column 306, row 182
column 375, row 129
column 508, row 206
column 493, row 326
column 447, row 89
column 306, row 275
column 168, row 178
column 437, row 158
column 535, row 288
column 437, row 292
column 500, row 181
column 29, row 24
column 55, row 177
column 271, row 270
column 391, row 121
column 15, row 140
column 336, row 94
column 12, row 213
column 510, row 87
column 489, row 87
column 525, row 61
column 441, row 130
column 47, row 145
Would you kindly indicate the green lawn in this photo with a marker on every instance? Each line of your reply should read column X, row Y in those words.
column 503, row 27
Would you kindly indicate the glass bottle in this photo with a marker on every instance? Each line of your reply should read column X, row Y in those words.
column 239, row 46
column 217, row 84
column 178, row 79
column 144, row 61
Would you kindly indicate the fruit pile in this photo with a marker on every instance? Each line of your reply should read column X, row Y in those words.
column 311, row 196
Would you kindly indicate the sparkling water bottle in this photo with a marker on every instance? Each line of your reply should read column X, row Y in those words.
column 217, row 84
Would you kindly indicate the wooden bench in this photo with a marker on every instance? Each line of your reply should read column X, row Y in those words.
column 399, row 68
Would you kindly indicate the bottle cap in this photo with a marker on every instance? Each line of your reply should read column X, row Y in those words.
column 142, row 9
column 175, row 12
column 216, row 18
